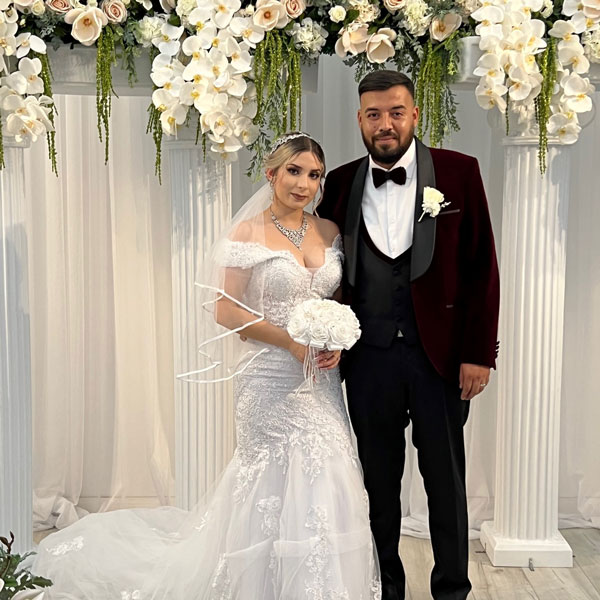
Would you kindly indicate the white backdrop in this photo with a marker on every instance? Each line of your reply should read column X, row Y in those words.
column 101, row 312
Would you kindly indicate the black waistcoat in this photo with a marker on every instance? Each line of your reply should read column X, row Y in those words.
column 381, row 297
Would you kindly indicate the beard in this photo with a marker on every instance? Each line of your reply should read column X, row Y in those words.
column 390, row 155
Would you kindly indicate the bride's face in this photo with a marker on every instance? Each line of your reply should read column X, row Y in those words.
column 295, row 183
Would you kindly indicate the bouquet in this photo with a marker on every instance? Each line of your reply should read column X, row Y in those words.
column 322, row 324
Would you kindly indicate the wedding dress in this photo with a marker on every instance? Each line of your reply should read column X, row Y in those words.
column 289, row 517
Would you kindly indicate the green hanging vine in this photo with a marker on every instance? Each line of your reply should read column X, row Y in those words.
column 46, row 75
column 437, row 70
column 278, row 80
column 548, row 67
column 105, row 59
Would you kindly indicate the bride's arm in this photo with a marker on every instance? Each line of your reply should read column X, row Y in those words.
column 232, row 315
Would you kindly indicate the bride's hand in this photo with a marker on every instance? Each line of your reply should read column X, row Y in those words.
column 328, row 359
column 297, row 350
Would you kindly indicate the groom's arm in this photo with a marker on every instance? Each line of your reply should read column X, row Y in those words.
column 480, row 281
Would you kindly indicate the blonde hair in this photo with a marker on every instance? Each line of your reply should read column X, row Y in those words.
column 285, row 151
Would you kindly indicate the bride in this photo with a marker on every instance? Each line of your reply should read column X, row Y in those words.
column 289, row 517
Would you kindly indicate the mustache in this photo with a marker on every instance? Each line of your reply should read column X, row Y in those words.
column 386, row 135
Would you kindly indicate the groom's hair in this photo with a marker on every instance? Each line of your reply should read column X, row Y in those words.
column 383, row 79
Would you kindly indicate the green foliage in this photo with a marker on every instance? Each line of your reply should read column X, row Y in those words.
column 105, row 60
column 15, row 577
column 548, row 67
column 46, row 75
column 278, row 80
column 154, row 127
column 438, row 69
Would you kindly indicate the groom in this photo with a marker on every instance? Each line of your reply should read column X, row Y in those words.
column 424, row 285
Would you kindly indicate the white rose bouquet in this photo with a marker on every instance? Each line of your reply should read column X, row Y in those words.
column 322, row 324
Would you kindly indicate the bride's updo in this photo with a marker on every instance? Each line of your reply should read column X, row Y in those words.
column 289, row 145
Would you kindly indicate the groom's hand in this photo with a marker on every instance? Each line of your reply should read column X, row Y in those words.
column 472, row 380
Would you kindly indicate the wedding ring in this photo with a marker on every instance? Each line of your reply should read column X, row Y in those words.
column 482, row 385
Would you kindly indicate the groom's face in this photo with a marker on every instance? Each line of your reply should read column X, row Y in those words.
column 387, row 121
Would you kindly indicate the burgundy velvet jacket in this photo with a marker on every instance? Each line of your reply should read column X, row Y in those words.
column 454, row 272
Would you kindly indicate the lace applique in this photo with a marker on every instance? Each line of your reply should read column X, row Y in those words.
column 131, row 595
column 247, row 473
column 203, row 521
column 271, row 509
column 66, row 547
column 221, row 584
column 319, row 558
column 376, row 589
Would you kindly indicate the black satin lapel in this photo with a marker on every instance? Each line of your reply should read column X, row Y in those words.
column 423, row 231
column 353, row 212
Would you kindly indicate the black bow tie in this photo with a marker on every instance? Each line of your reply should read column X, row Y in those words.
column 397, row 175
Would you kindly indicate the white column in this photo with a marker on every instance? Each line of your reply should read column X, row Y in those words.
column 204, row 431
column 15, row 372
column 534, row 232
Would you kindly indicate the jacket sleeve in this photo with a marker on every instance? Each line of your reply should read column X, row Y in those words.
column 480, row 285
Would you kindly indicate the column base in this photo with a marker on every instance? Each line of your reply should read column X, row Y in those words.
column 513, row 552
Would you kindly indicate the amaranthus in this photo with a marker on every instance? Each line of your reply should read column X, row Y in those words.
column 106, row 58
column 548, row 67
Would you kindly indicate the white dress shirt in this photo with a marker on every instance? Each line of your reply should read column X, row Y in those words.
column 389, row 210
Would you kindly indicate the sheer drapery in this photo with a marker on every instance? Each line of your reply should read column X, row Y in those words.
column 101, row 311
column 100, row 317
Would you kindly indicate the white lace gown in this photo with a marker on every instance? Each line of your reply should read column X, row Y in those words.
column 289, row 517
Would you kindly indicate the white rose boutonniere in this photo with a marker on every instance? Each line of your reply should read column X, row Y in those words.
column 433, row 202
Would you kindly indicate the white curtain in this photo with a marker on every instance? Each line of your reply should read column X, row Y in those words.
column 100, row 317
column 101, row 312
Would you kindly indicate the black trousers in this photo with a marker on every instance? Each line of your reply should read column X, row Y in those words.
column 386, row 389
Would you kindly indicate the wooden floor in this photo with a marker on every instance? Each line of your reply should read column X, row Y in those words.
column 582, row 582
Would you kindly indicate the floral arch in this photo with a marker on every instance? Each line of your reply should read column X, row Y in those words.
column 232, row 67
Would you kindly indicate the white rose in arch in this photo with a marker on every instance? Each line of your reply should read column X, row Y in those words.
column 440, row 29
column 393, row 5
column 294, row 8
column 87, row 24
column 337, row 14
column 270, row 14
column 114, row 10
column 380, row 46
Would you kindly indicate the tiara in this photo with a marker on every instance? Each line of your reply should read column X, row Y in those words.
column 286, row 138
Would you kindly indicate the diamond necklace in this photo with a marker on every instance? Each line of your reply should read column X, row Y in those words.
column 296, row 236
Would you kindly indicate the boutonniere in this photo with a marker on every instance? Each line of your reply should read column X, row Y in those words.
column 433, row 202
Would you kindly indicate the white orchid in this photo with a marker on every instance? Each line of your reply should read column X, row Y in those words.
column 26, row 42
column 577, row 91
column 164, row 69
column 173, row 117
column 245, row 28
column 490, row 94
column 565, row 128
column 168, row 42
column 224, row 11
column 572, row 55
column 489, row 65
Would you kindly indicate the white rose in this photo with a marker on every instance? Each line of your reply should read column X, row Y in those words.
column 342, row 335
column 319, row 335
column 38, row 8
column 185, row 7
column 87, row 24
column 114, row 10
column 393, row 5
column 294, row 8
column 433, row 202
column 380, row 46
column 337, row 14
column 298, row 330
column 440, row 29
column 270, row 14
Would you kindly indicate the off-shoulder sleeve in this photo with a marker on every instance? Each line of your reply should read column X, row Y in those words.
column 243, row 255
column 337, row 246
